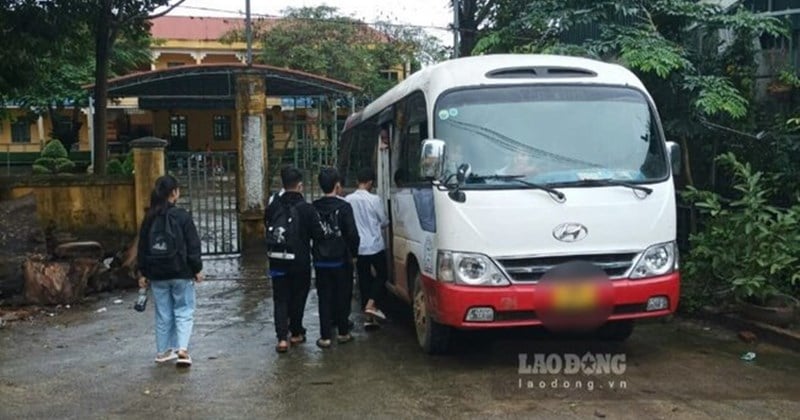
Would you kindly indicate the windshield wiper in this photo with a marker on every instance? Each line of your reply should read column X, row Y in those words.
column 605, row 182
column 558, row 195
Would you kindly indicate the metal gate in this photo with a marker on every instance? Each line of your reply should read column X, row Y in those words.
column 209, row 191
column 304, row 134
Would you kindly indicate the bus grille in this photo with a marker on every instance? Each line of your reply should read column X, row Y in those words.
column 532, row 269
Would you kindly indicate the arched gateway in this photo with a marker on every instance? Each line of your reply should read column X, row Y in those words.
column 218, row 119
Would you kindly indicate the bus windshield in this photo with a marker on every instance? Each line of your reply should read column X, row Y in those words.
column 550, row 135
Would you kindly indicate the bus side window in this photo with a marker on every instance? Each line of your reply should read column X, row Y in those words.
column 412, row 132
column 361, row 151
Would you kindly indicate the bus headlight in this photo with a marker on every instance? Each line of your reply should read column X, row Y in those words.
column 469, row 269
column 658, row 260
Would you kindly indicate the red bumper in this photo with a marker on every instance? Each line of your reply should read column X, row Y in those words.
column 514, row 305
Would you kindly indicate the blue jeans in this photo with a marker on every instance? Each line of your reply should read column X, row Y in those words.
column 174, row 306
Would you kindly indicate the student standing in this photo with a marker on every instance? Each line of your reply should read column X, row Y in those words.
column 331, row 257
column 291, row 225
column 370, row 220
column 169, row 260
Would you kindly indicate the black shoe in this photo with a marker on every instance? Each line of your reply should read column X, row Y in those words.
column 371, row 324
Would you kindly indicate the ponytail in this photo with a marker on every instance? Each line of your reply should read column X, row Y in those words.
column 159, row 198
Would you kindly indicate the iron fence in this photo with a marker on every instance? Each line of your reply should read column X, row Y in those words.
column 209, row 190
column 306, row 146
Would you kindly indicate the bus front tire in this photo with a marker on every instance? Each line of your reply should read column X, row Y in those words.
column 434, row 338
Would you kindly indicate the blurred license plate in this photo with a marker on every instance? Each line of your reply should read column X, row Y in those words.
column 574, row 297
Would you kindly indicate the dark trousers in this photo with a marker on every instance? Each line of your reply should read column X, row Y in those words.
column 371, row 286
column 289, row 293
column 334, row 293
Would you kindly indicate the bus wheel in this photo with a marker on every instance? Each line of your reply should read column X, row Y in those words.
column 616, row 330
column 434, row 338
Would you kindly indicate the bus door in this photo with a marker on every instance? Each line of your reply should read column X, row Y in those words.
column 384, row 174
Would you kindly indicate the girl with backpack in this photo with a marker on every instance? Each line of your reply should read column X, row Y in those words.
column 169, row 261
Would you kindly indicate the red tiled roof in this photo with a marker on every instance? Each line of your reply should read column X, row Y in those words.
column 195, row 28
column 205, row 28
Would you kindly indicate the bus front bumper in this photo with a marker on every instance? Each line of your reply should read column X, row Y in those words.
column 514, row 305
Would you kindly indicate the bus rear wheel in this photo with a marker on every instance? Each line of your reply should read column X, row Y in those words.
column 434, row 338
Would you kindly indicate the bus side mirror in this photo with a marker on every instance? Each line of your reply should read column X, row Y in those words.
column 432, row 159
column 674, row 157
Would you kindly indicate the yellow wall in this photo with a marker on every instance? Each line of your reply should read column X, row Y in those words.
column 5, row 133
column 200, row 127
column 220, row 59
column 198, row 45
column 163, row 61
column 37, row 140
column 84, row 206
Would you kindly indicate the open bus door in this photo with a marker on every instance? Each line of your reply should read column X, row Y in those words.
column 384, row 175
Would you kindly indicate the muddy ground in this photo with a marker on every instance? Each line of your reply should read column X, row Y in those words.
column 86, row 362
column 19, row 235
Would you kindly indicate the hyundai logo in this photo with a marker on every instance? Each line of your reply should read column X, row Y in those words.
column 570, row 232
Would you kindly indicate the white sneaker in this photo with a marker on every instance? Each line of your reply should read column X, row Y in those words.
column 376, row 313
column 184, row 360
column 167, row 356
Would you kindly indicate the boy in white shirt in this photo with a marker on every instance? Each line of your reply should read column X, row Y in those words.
column 370, row 220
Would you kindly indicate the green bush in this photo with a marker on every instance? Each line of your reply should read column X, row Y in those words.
column 54, row 159
column 54, row 149
column 127, row 164
column 121, row 167
column 114, row 167
column 747, row 250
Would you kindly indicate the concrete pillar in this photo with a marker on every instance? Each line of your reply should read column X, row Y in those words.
column 40, row 128
column 154, row 56
column 199, row 57
column 148, row 166
column 251, row 103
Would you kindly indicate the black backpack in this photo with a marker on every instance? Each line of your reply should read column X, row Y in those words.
column 333, row 247
column 283, row 231
column 165, row 245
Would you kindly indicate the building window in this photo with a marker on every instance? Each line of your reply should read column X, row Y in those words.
column 392, row 76
column 222, row 127
column 175, row 64
column 177, row 126
column 21, row 132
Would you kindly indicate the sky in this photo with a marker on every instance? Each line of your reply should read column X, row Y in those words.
column 428, row 13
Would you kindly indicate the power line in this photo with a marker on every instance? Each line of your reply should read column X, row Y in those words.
column 344, row 21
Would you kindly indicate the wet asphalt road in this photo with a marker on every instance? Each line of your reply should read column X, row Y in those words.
column 84, row 364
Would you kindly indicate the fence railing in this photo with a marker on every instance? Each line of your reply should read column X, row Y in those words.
column 305, row 145
column 209, row 191
column 17, row 158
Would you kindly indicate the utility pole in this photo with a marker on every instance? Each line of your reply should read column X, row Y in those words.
column 248, row 33
column 456, row 25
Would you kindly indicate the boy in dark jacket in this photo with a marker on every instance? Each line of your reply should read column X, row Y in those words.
column 291, row 225
column 331, row 258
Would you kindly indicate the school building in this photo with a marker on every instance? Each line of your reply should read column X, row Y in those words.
column 189, row 43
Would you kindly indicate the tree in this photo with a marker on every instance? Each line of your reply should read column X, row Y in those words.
column 412, row 44
column 658, row 39
column 27, row 29
column 472, row 16
column 111, row 20
column 44, row 60
column 62, row 75
column 322, row 41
